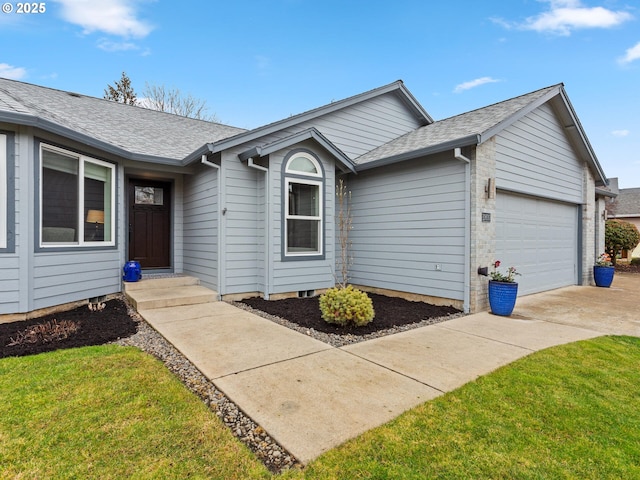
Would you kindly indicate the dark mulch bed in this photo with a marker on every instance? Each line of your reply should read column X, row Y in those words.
column 80, row 326
column 626, row 268
column 390, row 312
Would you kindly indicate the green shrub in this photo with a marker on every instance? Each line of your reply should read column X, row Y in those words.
column 346, row 306
column 620, row 235
column 635, row 261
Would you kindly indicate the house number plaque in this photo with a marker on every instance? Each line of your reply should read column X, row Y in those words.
column 486, row 217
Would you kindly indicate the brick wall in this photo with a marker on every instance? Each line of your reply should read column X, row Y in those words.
column 483, row 234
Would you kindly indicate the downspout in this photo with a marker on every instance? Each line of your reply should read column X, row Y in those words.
column 221, row 235
column 457, row 153
column 267, row 223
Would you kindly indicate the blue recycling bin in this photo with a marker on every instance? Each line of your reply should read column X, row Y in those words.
column 132, row 271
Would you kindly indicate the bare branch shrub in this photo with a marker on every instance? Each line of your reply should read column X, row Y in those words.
column 344, row 261
column 52, row 331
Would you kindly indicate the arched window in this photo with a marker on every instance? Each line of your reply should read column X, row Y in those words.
column 303, row 205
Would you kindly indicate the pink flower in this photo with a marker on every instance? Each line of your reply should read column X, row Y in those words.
column 497, row 264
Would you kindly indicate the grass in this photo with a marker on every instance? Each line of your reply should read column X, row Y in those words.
column 568, row 412
column 110, row 412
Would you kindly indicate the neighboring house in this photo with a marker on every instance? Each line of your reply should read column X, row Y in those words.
column 626, row 206
column 89, row 184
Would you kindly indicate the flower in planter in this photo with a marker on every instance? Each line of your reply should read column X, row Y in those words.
column 604, row 260
column 500, row 277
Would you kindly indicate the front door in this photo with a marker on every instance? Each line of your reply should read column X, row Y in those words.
column 150, row 223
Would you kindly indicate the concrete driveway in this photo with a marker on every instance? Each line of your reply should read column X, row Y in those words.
column 613, row 310
column 311, row 397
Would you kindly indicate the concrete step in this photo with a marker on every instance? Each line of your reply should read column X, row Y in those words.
column 172, row 291
column 162, row 282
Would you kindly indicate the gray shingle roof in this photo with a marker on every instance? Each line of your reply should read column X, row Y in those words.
column 139, row 131
column 454, row 129
column 628, row 202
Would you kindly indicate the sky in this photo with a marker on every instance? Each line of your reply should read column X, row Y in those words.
column 257, row 61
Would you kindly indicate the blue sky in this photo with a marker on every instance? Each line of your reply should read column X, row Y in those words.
column 255, row 62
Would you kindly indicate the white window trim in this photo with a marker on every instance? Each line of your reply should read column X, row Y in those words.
column 306, row 174
column 3, row 191
column 287, row 217
column 81, row 221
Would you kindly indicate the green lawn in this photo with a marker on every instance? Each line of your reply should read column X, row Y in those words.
column 111, row 412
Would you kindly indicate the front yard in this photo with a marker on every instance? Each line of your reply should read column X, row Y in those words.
column 114, row 412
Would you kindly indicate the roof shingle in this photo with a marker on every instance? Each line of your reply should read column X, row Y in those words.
column 454, row 128
column 137, row 130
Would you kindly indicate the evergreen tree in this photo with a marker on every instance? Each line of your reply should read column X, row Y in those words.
column 122, row 92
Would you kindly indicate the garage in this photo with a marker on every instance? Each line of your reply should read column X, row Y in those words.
column 540, row 238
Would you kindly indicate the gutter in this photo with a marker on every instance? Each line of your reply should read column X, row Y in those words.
column 205, row 161
column 457, row 153
column 439, row 148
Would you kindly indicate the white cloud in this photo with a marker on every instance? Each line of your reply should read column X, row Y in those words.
column 564, row 16
column 114, row 17
column 109, row 46
column 11, row 72
column 620, row 133
column 631, row 54
column 474, row 83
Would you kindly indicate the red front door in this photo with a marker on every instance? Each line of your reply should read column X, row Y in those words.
column 150, row 223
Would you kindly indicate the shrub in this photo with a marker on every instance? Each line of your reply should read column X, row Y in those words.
column 618, row 236
column 346, row 306
column 635, row 261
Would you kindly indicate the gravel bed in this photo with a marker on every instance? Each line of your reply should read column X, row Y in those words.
column 336, row 340
column 275, row 458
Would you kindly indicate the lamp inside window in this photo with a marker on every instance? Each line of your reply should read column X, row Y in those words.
column 96, row 218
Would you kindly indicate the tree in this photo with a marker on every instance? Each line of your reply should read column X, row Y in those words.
column 618, row 236
column 122, row 92
column 157, row 97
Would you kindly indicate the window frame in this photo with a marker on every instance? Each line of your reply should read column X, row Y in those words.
column 4, row 191
column 304, row 178
column 82, row 161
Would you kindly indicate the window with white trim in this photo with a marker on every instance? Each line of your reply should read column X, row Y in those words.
column 3, row 191
column 77, row 199
column 303, row 226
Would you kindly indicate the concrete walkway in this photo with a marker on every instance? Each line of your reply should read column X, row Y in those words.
column 311, row 397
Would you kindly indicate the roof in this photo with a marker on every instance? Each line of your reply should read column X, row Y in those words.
column 458, row 131
column 477, row 126
column 131, row 132
column 628, row 203
column 396, row 87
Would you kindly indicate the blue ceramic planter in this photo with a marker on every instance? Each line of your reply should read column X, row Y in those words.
column 603, row 276
column 502, row 297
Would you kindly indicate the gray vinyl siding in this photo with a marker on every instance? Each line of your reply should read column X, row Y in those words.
column 200, row 225
column 365, row 126
column 357, row 129
column 243, row 235
column 406, row 219
column 9, row 258
column 534, row 156
column 64, row 277
column 298, row 275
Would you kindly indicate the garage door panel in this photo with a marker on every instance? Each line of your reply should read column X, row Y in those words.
column 538, row 237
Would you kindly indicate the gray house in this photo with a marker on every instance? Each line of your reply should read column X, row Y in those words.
column 87, row 184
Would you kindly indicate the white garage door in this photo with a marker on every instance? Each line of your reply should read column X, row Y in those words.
column 540, row 238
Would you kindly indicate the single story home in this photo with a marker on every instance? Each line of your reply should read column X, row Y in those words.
column 88, row 184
